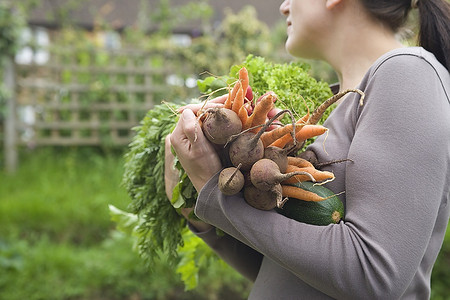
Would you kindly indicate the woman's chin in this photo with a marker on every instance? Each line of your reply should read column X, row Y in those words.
column 292, row 51
column 289, row 47
column 295, row 50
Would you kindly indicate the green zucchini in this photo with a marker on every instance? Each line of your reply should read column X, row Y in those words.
column 329, row 211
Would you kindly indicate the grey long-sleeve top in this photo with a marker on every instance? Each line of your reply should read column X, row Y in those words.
column 396, row 196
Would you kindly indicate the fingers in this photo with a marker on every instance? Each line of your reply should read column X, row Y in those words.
column 220, row 99
column 195, row 153
column 277, row 122
column 190, row 125
column 273, row 112
column 187, row 131
column 216, row 102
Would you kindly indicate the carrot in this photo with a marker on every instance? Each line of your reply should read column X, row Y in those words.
column 282, row 141
column 243, row 115
column 306, row 132
column 310, row 131
column 238, row 101
column 228, row 101
column 243, row 77
column 299, row 193
column 271, row 136
column 319, row 111
column 319, row 176
column 259, row 115
column 232, row 95
column 299, row 162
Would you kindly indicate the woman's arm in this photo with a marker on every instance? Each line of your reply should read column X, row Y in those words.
column 394, row 192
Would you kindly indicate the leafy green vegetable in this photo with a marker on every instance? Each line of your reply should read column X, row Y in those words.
column 159, row 228
column 193, row 254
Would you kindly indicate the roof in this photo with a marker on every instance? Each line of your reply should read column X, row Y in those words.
column 124, row 13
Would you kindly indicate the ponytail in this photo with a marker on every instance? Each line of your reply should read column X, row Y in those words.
column 434, row 16
column 434, row 32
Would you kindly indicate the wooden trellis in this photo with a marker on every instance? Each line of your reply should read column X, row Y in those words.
column 68, row 103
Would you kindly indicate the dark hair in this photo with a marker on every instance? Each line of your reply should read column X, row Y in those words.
column 434, row 19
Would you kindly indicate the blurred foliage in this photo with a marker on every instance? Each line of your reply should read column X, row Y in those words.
column 12, row 21
column 440, row 277
column 57, row 240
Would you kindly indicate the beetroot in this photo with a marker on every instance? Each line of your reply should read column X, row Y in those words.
column 231, row 181
column 263, row 200
column 265, row 174
column 246, row 149
column 220, row 124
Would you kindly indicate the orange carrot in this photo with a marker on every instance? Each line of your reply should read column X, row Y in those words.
column 310, row 131
column 238, row 101
column 243, row 77
column 306, row 132
column 232, row 95
column 259, row 115
column 299, row 193
column 282, row 141
column 243, row 115
column 228, row 101
column 319, row 176
column 299, row 162
column 271, row 136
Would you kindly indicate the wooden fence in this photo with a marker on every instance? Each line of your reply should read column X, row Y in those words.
column 95, row 103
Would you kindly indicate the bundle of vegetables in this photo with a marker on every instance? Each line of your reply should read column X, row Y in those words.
column 258, row 158
column 154, row 221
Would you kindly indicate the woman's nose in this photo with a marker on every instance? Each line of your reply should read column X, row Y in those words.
column 284, row 7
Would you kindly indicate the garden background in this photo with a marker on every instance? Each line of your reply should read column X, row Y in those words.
column 57, row 239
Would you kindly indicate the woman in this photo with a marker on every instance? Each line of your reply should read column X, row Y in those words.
column 396, row 184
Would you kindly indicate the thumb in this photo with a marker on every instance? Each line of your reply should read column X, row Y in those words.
column 191, row 127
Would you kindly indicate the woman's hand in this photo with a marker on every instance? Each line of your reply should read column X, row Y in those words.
column 195, row 153
column 171, row 177
column 216, row 102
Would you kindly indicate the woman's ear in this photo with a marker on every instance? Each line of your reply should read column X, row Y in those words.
column 330, row 4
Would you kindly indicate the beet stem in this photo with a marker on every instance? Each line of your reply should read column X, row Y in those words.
column 232, row 175
column 283, row 177
column 268, row 123
column 327, row 163
column 319, row 111
column 235, row 136
column 280, row 203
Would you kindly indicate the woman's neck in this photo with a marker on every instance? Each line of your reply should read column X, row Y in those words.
column 356, row 47
column 351, row 69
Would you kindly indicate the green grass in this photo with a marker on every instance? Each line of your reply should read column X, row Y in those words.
column 57, row 240
column 63, row 194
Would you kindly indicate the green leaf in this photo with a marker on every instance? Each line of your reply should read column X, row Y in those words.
column 204, row 85
column 126, row 222
column 213, row 86
column 194, row 255
column 177, row 198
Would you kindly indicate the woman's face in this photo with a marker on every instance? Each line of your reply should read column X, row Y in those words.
column 306, row 25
